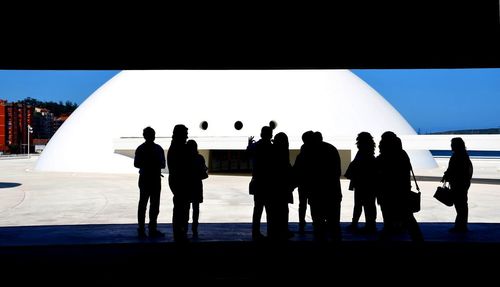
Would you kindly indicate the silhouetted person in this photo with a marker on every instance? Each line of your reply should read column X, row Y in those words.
column 361, row 172
column 281, row 193
column 197, row 173
column 150, row 159
column 178, row 180
column 459, row 175
column 261, row 153
column 394, row 177
column 323, row 166
column 299, row 169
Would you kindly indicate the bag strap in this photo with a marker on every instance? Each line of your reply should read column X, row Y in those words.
column 413, row 174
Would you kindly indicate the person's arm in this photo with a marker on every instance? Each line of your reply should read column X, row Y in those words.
column 162, row 157
column 449, row 171
column 337, row 162
column 138, row 158
column 250, row 145
column 349, row 172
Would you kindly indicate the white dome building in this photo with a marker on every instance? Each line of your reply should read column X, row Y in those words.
column 102, row 134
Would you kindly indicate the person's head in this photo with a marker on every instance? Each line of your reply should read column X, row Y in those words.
column 281, row 139
column 192, row 146
column 180, row 133
column 266, row 133
column 317, row 137
column 458, row 145
column 149, row 134
column 364, row 142
column 388, row 142
column 308, row 137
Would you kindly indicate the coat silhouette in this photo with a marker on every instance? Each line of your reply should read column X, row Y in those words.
column 394, row 187
column 178, row 180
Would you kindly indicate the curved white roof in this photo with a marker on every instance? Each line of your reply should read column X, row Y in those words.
column 334, row 102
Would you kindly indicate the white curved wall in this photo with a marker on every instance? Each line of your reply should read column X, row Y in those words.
column 335, row 102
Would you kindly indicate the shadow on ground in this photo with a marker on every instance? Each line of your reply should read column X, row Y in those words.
column 111, row 254
column 9, row 184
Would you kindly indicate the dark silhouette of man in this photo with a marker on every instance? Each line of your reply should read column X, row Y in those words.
column 178, row 180
column 150, row 159
column 299, row 170
column 322, row 178
column 261, row 153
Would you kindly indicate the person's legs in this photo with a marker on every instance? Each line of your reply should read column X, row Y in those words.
column 462, row 208
column 196, row 215
column 302, row 209
column 178, row 219
column 258, row 208
column 154, row 206
column 142, row 206
column 318, row 220
column 356, row 212
column 370, row 214
column 333, row 219
column 413, row 228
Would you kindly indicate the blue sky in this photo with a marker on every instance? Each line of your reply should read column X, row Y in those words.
column 430, row 100
column 441, row 99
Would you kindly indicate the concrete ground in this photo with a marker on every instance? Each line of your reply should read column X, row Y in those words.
column 67, row 228
column 29, row 198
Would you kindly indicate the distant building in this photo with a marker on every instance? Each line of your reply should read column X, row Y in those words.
column 14, row 121
column 59, row 121
column 17, row 118
column 40, row 144
column 3, row 142
column 43, row 124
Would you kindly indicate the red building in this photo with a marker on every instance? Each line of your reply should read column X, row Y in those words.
column 17, row 118
column 3, row 142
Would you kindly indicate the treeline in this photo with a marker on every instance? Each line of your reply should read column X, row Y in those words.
column 57, row 108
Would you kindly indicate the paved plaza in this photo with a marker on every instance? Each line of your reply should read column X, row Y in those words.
column 29, row 198
column 84, row 226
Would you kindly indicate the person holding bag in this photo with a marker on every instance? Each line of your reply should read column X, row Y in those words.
column 459, row 175
column 394, row 188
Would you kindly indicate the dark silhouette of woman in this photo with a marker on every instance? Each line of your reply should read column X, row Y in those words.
column 459, row 175
column 281, row 194
column 178, row 167
column 393, row 172
column 197, row 173
column 361, row 172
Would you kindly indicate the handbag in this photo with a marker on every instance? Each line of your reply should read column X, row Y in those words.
column 414, row 198
column 444, row 195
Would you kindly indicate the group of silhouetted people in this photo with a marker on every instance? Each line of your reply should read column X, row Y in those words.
column 316, row 173
column 187, row 169
column 384, row 180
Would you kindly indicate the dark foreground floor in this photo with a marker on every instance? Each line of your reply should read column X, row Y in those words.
column 111, row 255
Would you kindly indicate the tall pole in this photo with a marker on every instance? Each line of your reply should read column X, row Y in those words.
column 30, row 130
